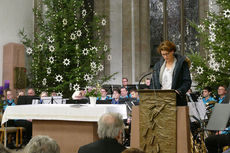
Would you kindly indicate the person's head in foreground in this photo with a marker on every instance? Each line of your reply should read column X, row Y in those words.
column 42, row 144
column 110, row 125
column 133, row 150
column 3, row 149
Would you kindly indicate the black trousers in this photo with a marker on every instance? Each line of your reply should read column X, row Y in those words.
column 216, row 143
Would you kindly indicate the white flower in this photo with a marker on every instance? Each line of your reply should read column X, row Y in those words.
column 227, row 13
column 76, row 87
column 83, row 13
column 44, row 81
column 223, row 63
column 212, row 26
column 216, row 67
column 51, row 59
column 72, row 36
column 212, row 37
column 200, row 70
column 77, row 47
column 64, row 21
column 40, row 46
column 93, row 65
column 105, row 48
column 29, row 51
column 51, row 39
column 87, row 77
column 212, row 78
column 66, row 62
column 103, row 22
column 48, row 70
column 85, row 51
column 79, row 33
column 201, row 27
column 51, row 48
column 100, row 67
column 58, row 78
column 59, row 94
column 109, row 57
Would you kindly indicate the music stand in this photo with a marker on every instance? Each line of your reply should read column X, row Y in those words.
column 26, row 100
column 219, row 117
column 197, row 110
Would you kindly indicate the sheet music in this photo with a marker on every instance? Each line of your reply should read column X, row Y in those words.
column 198, row 110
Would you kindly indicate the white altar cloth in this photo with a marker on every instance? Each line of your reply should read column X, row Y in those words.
column 66, row 112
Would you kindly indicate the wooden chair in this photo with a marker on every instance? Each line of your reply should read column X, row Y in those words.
column 4, row 131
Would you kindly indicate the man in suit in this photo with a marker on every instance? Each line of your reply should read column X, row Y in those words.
column 110, row 127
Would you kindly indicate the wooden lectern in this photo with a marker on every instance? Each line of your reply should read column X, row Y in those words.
column 158, row 125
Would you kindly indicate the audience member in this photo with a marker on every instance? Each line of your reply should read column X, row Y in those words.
column 103, row 95
column 222, row 90
column 116, row 96
column 110, row 127
column 133, row 150
column 3, row 149
column 124, row 93
column 31, row 92
column 42, row 144
column 207, row 95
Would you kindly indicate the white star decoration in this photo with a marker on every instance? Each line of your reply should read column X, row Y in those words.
column 76, row 87
column 66, row 62
column 58, row 78
column 44, row 81
column 29, row 51
column 85, row 51
column 200, row 70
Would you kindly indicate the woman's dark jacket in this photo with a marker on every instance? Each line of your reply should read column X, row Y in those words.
column 181, row 80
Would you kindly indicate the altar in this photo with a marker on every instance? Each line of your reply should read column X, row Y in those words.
column 70, row 125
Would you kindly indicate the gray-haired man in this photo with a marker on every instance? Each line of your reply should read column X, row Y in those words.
column 110, row 127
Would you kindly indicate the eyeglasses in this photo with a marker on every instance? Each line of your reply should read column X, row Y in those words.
column 166, row 54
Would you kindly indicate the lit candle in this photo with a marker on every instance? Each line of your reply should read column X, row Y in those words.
column 1, row 90
column 6, row 84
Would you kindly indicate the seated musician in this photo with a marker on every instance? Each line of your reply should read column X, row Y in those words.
column 215, row 143
column 222, row 90
column 116, row 96
column 104, row 96
column 134, row 94
column 207, row 95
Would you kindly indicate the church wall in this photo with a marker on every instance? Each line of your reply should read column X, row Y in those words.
column 14, row 15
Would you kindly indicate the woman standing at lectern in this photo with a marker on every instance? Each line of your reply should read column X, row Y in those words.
column 172, row 72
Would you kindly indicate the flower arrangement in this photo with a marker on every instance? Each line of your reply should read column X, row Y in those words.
column 93, row 92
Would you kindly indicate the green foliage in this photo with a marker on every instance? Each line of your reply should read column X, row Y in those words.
column 213, row 68
column 67, row 50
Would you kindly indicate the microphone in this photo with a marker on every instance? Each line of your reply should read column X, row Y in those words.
column 148, row 73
